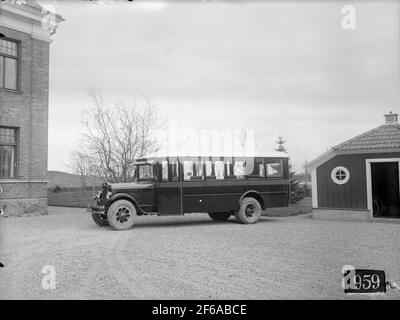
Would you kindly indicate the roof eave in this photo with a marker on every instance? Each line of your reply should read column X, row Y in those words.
column 313, row 164
column 333, row 152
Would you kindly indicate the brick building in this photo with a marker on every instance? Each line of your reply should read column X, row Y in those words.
column 25, row 36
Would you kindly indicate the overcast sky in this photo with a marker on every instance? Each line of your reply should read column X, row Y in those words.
column 279, row 68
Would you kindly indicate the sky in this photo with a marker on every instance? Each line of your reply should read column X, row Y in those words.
column 276, row 68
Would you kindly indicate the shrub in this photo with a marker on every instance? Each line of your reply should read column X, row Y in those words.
column 57, row 189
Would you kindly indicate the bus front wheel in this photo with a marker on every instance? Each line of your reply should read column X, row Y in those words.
column 121, row 215
column 100, row 219
column 249, row 211
column 219, row 216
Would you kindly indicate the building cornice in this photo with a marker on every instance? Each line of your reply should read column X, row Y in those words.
column 4, row 181
column 41, row 38
column 30, row 18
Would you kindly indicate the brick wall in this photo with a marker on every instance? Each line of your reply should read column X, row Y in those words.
column 27, row 110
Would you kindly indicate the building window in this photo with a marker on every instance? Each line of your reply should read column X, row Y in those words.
column 340, row 175
column 8, row 64
column 8, row 146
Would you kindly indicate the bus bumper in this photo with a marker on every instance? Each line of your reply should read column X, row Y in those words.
column 96, row 209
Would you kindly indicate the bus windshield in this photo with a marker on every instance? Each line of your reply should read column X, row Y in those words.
column 145, row 172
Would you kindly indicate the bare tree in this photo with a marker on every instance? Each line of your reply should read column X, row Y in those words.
column 81, row 164
column 115, row 137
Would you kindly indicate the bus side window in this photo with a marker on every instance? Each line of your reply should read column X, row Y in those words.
column 219, row 169
column 210, row 172
column 197, row 170
column 255, row 168
column 261, row 170
column 164, row 170
column 229, row 169
column 239, row 169
column 275, row 169
column 187, row 169
column 175, row 171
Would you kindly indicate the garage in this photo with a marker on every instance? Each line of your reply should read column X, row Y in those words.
column 359, row 178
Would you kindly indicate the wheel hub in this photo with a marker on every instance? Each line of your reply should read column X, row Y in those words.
column 250, row 209
column 123, row 214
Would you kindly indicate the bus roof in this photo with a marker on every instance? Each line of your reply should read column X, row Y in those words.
column 273, row 154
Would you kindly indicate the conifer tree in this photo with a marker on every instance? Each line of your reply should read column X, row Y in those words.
column 294, row 184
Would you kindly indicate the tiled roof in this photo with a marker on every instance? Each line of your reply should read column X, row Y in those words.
column 383, row 137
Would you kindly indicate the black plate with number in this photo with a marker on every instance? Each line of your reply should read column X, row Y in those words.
column 365, row 281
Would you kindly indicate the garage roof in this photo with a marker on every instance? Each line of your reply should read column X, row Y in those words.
column 382, row 137
column 385, row 138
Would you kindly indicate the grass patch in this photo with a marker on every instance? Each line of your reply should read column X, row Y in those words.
column 303, row 206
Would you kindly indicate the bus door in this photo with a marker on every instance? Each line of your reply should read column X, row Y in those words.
column 170, row 189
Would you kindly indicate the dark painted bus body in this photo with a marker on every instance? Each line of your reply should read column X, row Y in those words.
column 215, row 185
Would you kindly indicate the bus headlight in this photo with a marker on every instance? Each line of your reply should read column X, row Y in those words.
column 97, row 196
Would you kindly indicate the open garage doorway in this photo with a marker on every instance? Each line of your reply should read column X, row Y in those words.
column 385, row 189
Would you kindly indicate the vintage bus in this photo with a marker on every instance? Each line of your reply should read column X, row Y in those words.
column 221, row 186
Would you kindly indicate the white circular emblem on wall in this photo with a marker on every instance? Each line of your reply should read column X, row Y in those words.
column 340, row 175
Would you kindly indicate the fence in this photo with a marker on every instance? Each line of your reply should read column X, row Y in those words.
column 71, row 197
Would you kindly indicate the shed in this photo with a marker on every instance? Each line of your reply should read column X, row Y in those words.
column 359, row 178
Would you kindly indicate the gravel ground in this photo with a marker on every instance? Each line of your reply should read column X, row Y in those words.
column 191, row 257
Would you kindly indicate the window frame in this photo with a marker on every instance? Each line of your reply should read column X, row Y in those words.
column 269, row 161
column 187, row 163
column 162, row 178
column 243, row 160
column 16, row 152
column 18, row 60
column 229, row 166
column 196, row 162
column 221, row 164
column 334, row 173
column 258, row 161
column 209, row 160
column 152, row 179
column 174, row 162
column 196, row 165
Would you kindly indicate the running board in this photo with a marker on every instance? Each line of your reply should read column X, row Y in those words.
column 149, row 213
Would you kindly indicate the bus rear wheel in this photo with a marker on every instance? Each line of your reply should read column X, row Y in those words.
column 121, row 215
column 249, row 211
column 219, row 216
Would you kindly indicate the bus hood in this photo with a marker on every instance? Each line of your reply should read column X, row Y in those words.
column 130, row 186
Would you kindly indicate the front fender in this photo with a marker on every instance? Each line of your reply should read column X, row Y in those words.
column 124, row 196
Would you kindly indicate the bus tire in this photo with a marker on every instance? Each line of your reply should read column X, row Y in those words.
column 121, row 215
column 219, row 216
column 100, row 219
column 249, row 211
